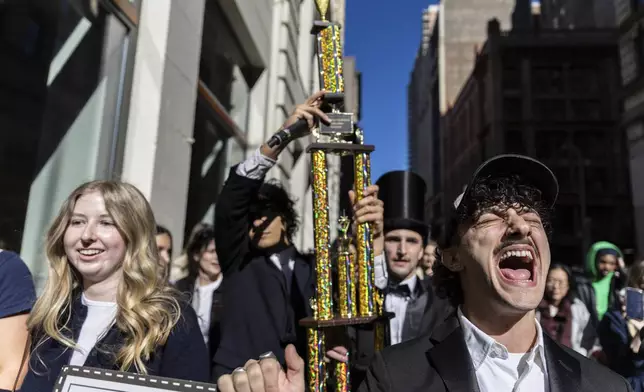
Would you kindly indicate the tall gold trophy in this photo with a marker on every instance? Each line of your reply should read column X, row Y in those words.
column 359, row 301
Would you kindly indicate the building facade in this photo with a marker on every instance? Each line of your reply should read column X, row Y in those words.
column 576, row 14
column 164, row 94
column 630, row 15
column 550, row 95
column 423, row 124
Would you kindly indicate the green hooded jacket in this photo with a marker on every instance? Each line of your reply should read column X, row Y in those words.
column 601, row 285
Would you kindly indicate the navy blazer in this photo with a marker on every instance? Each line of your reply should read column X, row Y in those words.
column 184, row 356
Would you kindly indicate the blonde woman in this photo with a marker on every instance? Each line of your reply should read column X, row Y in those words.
column 105, row 304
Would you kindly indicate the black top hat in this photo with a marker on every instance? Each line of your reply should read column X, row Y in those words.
column 531, row 171
column 403, row 195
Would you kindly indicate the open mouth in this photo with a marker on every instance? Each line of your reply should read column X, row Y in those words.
column 517, row 265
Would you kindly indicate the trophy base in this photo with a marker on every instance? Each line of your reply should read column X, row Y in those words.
column 341, row 148
column 310, row 322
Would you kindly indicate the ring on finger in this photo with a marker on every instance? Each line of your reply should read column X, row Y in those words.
column 239, row 370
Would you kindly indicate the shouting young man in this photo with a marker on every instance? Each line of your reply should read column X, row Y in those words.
column 495, row 260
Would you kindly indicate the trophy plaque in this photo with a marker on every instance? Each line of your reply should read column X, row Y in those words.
column 359, row 302
column 85, row 379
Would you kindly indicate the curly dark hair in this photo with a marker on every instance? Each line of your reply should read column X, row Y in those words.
column 273, row 199
column 482, row 195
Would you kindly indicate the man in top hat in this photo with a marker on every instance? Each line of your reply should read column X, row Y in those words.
column 407, row 296
column 495, row 260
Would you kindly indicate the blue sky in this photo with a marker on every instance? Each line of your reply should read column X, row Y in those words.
column 384, row 38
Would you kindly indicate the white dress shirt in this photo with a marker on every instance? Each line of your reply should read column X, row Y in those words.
column 202, row 304
column 397, row 304
column 498, row 370
column 255, row 167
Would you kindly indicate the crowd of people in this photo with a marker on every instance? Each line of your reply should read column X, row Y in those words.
column 485, row 307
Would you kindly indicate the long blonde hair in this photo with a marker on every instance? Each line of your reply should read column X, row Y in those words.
column 147, row 306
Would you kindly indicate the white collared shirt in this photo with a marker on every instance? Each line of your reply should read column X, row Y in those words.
column 397, row 304
column 498, row 370
column 202, row 304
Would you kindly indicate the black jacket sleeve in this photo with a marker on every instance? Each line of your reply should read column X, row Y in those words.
column 377, row 377
column 232, row 220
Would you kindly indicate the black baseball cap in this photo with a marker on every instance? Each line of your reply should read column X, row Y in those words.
column 531, row 171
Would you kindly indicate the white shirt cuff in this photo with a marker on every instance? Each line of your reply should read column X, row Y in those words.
column 380, row 269
column 255, row 166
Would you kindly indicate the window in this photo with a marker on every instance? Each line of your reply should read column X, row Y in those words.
column 594, row 145
column 64, row 79
column 547, row 81
column 549, row 143
column 549, row 109
column 585, row 110
column 512, row 109
column 512, row 79
column 514, row 142
column 583, row 81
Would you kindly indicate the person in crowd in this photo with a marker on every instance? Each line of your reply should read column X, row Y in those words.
column 104, row 304
column 17, row 297
column 268, row 282
column 202, row 286
column 599, row 291
column 425, row 269
column 495, row 257
column 164, row 245
column 562, row 316
column 406, row 233
column 621, row 337
column 179, row 266
column 407, row 296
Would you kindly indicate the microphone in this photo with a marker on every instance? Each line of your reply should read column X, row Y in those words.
column 294, row 131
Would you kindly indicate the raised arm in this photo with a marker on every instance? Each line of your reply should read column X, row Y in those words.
column 232, row 222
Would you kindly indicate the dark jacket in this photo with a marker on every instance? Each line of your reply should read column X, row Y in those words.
column 187, row 288
column 616, row 340
column 184, row 356
column 428, row 310
column 441, row 362
column 258, row 314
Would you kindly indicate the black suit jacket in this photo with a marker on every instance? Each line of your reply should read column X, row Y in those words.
column 435, row 311
column 441, row 362
column 187, row 287
column 259, row 315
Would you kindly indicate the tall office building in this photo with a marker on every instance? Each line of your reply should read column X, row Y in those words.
column 165, row 94
column 422, row 105
column 553, row 97
column 630, row 16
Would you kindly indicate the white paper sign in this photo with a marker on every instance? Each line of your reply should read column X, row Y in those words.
column 84, row 379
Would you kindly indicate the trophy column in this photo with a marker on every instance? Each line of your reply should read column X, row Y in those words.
column 357, row 297
column 364, row 240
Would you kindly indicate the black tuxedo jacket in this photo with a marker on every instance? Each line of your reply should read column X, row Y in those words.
column 441, row 362
column 259, row 314
column 433, row 311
